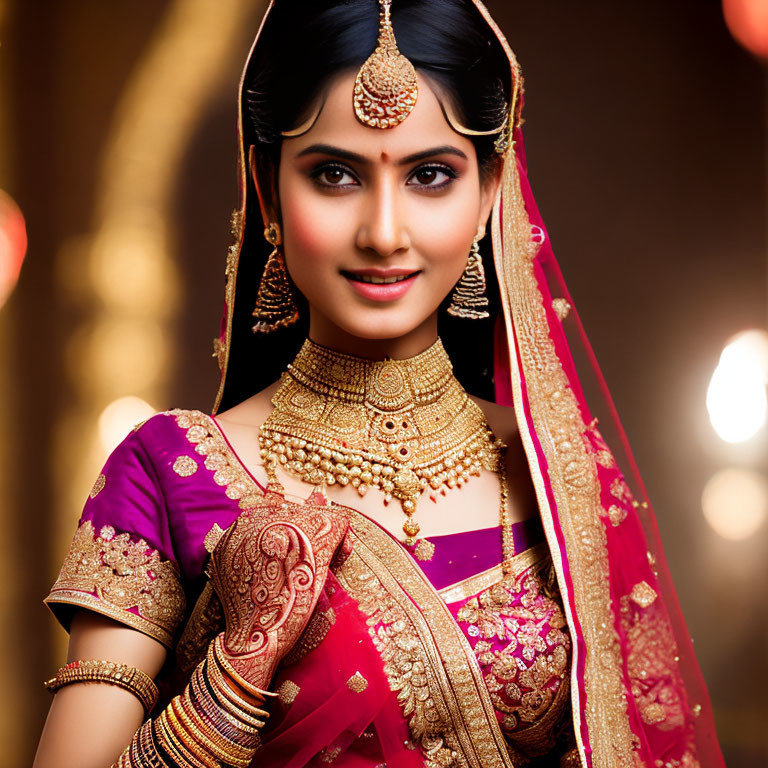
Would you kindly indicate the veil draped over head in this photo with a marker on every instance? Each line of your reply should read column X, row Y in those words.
column 637, row 694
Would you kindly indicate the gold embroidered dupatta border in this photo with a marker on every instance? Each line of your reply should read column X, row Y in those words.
column 426, row 656
column 572, row 477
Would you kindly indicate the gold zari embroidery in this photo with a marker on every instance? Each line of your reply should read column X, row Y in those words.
column 203, row 433
column 572, row 474
column 98, row 486
column 112, row 574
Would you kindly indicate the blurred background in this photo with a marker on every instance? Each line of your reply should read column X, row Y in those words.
column 648, row 151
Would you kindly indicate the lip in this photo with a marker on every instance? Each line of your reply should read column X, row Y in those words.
column 381, row 292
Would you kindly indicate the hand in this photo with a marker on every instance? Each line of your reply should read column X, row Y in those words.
column 268, row 570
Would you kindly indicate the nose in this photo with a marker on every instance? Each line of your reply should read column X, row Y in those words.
column 382, row 229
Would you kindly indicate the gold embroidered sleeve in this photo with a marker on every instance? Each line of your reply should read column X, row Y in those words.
column 121, row 578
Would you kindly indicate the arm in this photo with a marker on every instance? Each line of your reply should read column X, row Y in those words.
column 89, row 725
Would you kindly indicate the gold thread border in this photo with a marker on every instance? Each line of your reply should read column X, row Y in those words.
column 121, row 615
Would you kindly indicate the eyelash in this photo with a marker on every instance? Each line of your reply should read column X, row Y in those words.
column 451, row 173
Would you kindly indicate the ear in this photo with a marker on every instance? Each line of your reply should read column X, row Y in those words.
column 265, row 183
column 489, row 189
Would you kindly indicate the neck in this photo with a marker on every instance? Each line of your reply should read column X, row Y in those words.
column 329, row 335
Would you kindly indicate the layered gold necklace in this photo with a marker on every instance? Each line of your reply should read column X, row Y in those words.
column 399, row 426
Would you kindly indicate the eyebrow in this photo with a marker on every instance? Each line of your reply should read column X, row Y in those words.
column 353, row 157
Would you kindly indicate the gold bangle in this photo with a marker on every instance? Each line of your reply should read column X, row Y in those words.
column 175, row 748
column 131, row 679
column 234, row 676
column 203, row 700
column 217, row 735
column 147, row 753
column 213, row 743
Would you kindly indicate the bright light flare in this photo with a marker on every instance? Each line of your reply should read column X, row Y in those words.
column 119, row 418
column 736, row 397
column 13, row 245
column 735, row 503
column 748, row 22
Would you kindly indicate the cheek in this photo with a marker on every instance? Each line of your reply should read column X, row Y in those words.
column 444, row 231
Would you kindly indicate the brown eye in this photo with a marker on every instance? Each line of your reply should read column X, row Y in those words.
column 333, row 175
column 432, row 177
column 426, row 176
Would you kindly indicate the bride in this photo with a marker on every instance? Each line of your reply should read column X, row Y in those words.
column 400, row 537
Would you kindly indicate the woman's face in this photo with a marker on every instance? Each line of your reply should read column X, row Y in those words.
column 362, row 205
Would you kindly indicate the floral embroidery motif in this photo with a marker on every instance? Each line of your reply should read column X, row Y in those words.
column 114, row 575
column 185, row 466
column 357, row 683
column 219, row 459
column 98, row 486
column 520, row 639
column 652, row 666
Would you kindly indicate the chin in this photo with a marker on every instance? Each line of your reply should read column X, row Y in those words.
column 373, row 325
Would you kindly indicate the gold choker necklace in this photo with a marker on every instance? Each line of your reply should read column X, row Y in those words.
column 400, row 426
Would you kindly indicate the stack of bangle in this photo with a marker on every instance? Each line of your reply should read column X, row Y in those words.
column 130, row 678
column 215, row 721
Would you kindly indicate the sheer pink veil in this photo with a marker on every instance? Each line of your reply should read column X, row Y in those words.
column 665, row 714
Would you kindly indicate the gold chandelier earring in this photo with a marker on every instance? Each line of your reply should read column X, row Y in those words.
column 275, row 307
column 468, row 299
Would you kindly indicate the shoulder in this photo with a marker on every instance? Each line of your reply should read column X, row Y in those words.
column 501, row 419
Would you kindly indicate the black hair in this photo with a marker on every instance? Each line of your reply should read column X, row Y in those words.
column 307, row 42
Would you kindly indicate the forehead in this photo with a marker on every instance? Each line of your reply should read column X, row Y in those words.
column 337, row 124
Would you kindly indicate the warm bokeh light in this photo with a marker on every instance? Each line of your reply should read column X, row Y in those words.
column 119, row 417
column 13, row 245
column 735, row 503
column 736, row 398
column 748, row 22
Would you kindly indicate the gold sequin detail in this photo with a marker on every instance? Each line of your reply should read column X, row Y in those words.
column 562, row 308
column 357, row 683
column 185, row 466
column 643, row 594
column 425, row 550
column 329, row 754
column 114, row 575
column 617, row 515
column 287, row 692
column 98, row 486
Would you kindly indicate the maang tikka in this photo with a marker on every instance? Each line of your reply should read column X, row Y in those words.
column 468, row 299
column 386, row 88
column 275, row 307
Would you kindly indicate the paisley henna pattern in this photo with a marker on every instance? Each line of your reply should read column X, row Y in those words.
column 268, row 570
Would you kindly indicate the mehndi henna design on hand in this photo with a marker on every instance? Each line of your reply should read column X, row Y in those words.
column 268, row 570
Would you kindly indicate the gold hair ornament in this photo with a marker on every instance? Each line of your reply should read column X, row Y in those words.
column 385, row 89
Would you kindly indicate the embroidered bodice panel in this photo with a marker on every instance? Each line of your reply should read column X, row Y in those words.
column 519, row 635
